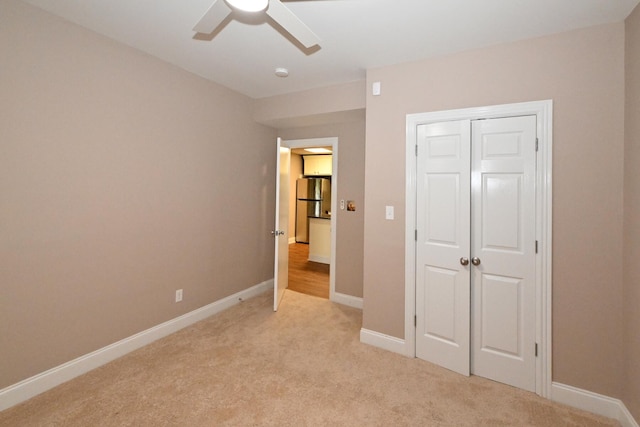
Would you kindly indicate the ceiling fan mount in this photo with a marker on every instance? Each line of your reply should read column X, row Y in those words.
column 248, row 5
column 277, row 11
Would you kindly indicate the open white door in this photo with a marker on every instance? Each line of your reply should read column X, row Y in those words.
column 280, row 232
column 442, row 244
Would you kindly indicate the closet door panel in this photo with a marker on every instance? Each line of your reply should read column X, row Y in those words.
column 442, row 217
column 503, row 242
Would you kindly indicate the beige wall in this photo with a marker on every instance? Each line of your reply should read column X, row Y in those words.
column 350, row 225
column 632, row 215
column 328, row 105
column 123, row 179
column 583, row 72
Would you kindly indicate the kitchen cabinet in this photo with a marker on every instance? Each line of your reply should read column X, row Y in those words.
column 320, row 165
column 320, row 240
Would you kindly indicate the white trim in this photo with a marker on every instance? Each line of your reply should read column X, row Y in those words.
column 385, row 342
column 44, row 381
column 344, row 299
column 320, row 259
column 543, row 110
column 333, row 143
column 292, row 240
column 410, row 247
column 592, row 402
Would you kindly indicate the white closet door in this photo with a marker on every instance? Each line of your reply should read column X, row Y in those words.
column 503, row 241
column 443, row 241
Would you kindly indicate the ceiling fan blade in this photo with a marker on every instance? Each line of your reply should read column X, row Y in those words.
column 213, row 17
column 290, row 22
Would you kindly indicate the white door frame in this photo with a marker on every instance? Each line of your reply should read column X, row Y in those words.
column 333, row 143
column 543, row 110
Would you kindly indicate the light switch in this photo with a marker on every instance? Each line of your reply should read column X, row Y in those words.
column 389, row 212
column 375, row 89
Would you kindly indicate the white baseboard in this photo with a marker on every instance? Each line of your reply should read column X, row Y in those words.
column 320, row 259
column 592, row 402
column 44, row 381
column 385, row 342
column 292, row 240
column 345, row 299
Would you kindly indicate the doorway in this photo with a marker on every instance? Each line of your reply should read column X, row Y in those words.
column 311, row 272
column 449, row 294
column 306, row 276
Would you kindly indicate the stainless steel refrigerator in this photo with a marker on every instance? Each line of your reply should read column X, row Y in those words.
column 313, row 200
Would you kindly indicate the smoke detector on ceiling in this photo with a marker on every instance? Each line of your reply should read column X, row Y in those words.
column 282, row 72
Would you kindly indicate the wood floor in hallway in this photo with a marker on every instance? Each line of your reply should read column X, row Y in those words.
column 307, row 277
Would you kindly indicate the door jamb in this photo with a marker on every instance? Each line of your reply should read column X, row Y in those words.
column 543, row 110
column 333, row 143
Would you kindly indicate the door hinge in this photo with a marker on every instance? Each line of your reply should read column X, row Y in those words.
column 536, row 246
column 415, row 320
column 416, row 235
column 416, row 150
column 536, row 144
column 536, row 349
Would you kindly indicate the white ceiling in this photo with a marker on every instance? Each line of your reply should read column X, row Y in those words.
column 356, row 34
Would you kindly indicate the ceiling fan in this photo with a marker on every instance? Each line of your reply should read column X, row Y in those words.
column 277, row 11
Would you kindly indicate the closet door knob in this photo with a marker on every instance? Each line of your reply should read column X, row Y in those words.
column 475, row 260
column 464, row 261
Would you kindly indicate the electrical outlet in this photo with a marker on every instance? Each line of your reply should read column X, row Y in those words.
column 179, row 295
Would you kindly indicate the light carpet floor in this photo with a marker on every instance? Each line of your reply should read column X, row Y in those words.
column 301, row 366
